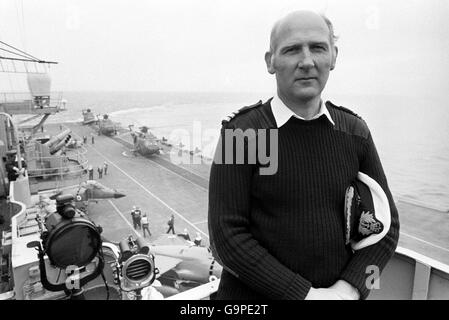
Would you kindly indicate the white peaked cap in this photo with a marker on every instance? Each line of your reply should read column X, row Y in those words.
column 381, row 209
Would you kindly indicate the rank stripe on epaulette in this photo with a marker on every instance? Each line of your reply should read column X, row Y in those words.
column 241, row 111
column 344, row 109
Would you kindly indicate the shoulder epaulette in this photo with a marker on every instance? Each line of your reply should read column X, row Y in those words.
column 344, row 109
column 241, row 111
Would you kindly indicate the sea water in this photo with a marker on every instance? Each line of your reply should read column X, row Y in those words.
column 411, row 134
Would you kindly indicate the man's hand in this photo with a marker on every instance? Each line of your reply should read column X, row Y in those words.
column 345, row 290
column 323, row 294
column 340, row 290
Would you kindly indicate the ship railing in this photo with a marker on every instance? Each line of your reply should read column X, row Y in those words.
column 421, row 203
column 412, row 276
column 20, row 215
column 408, row 276
column 13, row 100
column 58, row 170
column 64, row 168
column 201, row 292
column 79, row 152
column 16, row 216
column 72, row 163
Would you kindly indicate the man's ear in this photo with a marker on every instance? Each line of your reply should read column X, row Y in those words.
column 334, row 57
column 269, row 62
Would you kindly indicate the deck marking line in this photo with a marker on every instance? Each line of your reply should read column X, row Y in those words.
column 150, row 193
column 158, row 164
column 126, row 220
column 184, row 178
column 200, row 222
column 165, row 168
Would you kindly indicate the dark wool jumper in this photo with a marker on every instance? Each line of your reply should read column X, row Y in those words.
column 278, row 235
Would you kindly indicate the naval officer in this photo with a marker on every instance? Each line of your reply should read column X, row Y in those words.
column 281, row 235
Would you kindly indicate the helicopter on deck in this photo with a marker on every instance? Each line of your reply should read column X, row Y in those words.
column 106, row 126
column 144, row 142
column 88, row 116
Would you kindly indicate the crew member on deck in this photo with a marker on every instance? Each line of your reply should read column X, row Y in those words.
column 90, row 169
column 100, row 172
column 171, row 224
column 185, row 235
column 198, row 239
column 136, row 217
column 145, row 225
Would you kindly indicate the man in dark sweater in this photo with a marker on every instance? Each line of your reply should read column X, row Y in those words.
column 281, row 235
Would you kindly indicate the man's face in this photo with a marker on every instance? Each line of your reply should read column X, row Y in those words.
column 301, row 57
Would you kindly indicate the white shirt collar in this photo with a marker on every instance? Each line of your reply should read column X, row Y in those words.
column 282, row 113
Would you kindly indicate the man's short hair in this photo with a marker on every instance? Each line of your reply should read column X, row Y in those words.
column 332, row 37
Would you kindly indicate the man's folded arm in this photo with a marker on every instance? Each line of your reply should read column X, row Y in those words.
column 374, row 257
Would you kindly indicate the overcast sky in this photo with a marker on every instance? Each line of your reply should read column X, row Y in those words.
column 391, row 47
